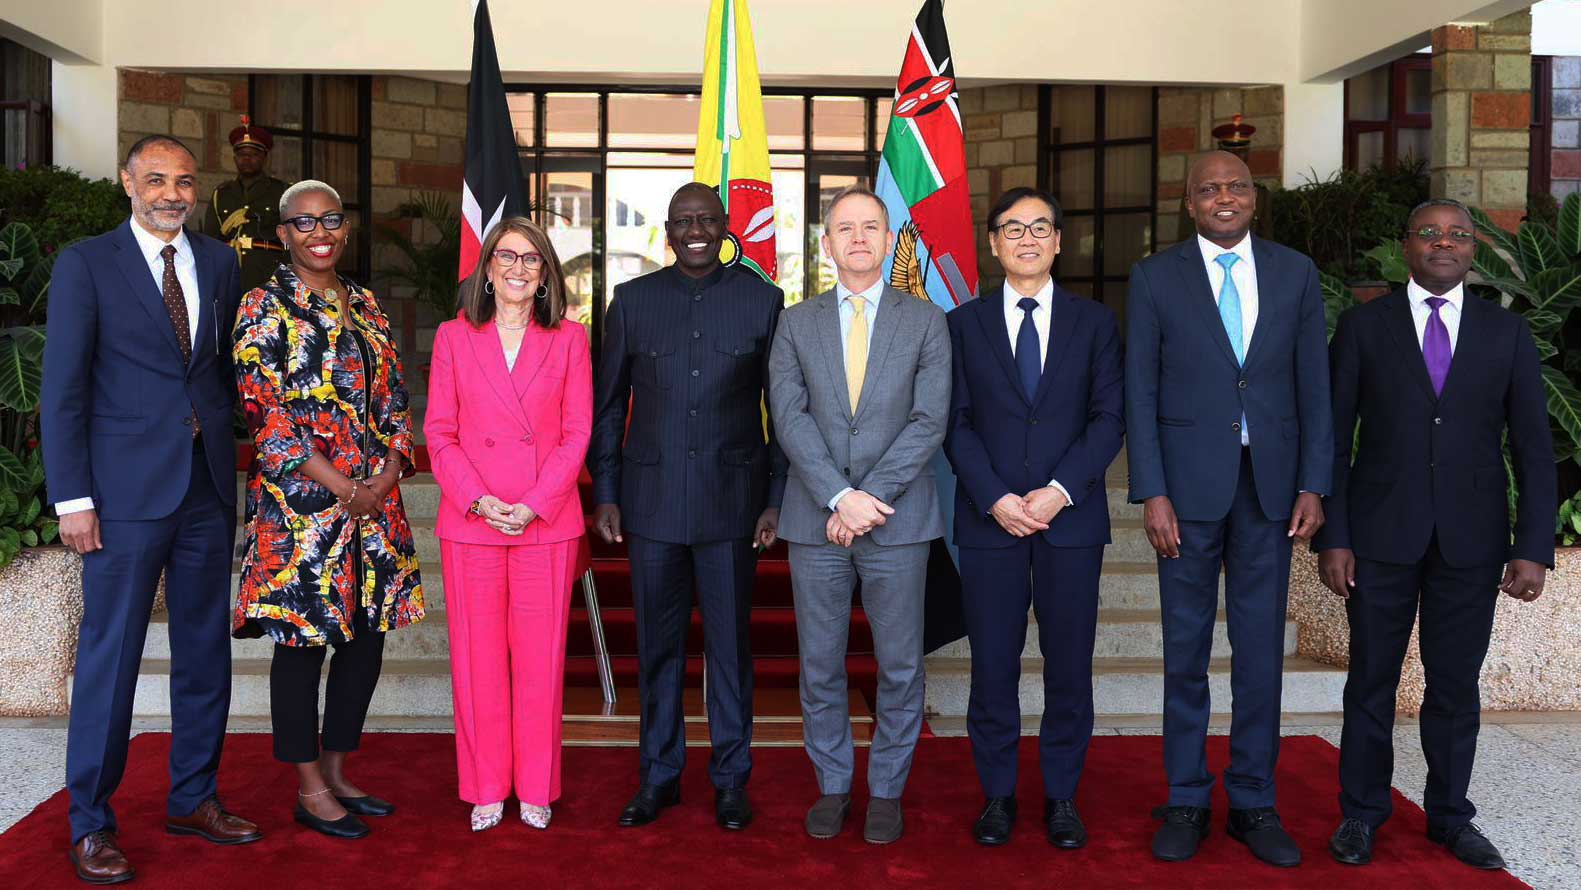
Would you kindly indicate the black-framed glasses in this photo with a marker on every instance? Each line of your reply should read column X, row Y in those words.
column 1433, row 233
column 506, row 258
column 305, row 224
column 1040, row 228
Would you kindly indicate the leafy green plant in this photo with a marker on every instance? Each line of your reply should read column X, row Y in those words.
column 1567, row 525
column 61, row 205
column 428, row 267
column 1338, row 220
column 24, row 292
column 23, row 520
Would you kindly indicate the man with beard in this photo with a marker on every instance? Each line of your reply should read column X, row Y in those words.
column 136, row 413
column 244, row 211
column 690, row 487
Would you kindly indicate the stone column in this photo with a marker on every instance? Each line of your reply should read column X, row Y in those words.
column 1482, row 84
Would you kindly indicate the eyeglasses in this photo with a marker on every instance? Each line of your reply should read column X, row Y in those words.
column 305, row 224
column 1433, row 233
column 507, row 258
column 1040, row 228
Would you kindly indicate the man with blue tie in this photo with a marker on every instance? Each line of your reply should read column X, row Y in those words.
column 1035, row 420
column 1231, row 449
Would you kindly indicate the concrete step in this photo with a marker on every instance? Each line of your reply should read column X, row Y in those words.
column 1136, row 686
column 1122, row 633
column 407, row 688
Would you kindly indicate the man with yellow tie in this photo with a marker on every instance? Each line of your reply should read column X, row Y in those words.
column 859, row 390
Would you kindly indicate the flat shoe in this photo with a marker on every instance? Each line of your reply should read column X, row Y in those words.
column 347, row 826
column 367, row 805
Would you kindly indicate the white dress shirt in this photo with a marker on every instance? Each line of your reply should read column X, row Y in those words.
column 187, row 273
column 872, row 296
column 1244, row 273
column 1042, row 317
column 1449, row 312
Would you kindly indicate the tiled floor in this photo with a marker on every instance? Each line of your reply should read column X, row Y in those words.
column 1527, row 783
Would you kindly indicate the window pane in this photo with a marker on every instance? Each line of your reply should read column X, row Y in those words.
column 789, row 231
column 828, row 185
column 277, row 101
column 1075, row 247
column 1418, row 90
column 1125, row 237
column 1369, row 149
column 567, row 216
column 653, row 121
column 285, row 161
column 1074, row 179
column 1369, row 96
column 572, row 120
column 783, row 115
column 1413, row 142
column 524, row 112
column 636, row 204
column 335, row 104
column 336, row 164
column 881, row 123
column 1127, row 175
column 1079, row 288
column 839, row 124
column 1128, row 112
column 1073, row 114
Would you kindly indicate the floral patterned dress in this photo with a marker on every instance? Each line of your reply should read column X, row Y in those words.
column 306, row 385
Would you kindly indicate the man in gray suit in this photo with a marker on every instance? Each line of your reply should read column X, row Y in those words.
column 859, row 389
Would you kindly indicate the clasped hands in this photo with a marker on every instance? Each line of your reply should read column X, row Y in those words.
column 507, row 519
column 1022, row 515
column 855, row 514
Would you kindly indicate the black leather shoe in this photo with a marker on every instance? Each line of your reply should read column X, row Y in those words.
column 992, row 828
column 367, row 805
column 1469, row 845
column 347, row 826
column 731, row 809
column 1352, row 842
column 1064, row 824
column 1259, row 829
column 647, row 802
column 1182, row 832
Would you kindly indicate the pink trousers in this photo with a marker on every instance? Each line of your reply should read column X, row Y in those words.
column 507, row 608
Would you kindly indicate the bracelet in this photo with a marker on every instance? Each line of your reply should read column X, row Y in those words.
column 346, row 501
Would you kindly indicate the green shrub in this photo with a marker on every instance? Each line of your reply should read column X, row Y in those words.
column 60, row 205
column 1337, row 220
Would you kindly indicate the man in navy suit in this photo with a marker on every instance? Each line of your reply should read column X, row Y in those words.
column 691, row 486
column 1231, row 448
column 1035, row 420
column 138, row 458
column 1436, row 376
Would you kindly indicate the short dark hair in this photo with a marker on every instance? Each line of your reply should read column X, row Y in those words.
column 857, row 191
column 477, row 301
column 1439, row 202
column 1009, row 199
column 148, row 142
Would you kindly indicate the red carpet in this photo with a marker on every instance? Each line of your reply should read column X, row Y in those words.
column 427, row 844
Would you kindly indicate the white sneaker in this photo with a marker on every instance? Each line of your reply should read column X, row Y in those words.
column 537, row 817
column 486, row 816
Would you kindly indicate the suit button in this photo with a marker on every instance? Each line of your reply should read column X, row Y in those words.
column 692, row 412
column 186, row 421
column 1034, row 422
column 847, row 471
column 527, row 438
column 696, row 372
column 1241, row 384
column 696, row 334
column 1437, row 421
column 488, row 443
column 697, row 298
column 653, row 353
column 1236, row 426
column 853, row 430
column 692, row 453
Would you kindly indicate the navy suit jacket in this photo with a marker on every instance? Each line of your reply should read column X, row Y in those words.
column 1427, row 463
column 691, row 359
column 1000, row 443
column 1185, row 394
column 117, row 399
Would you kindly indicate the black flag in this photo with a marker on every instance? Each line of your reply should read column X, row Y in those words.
column 493, row 185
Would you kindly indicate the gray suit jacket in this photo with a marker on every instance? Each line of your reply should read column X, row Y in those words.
column 885, row 449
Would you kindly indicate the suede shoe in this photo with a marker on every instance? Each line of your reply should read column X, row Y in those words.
column 826, row 819
column 992, row 828
column 884, row 823
column 1352, row 843
column 1259, row 829
column 1469, row 845
column 99, row 860
column 1182, row 832
column 647, row 802
column 1065, row 829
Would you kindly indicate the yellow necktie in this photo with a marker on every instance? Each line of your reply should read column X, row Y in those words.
column 856, row 350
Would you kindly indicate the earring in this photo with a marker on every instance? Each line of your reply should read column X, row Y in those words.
column 543, row 292
column 488, row 286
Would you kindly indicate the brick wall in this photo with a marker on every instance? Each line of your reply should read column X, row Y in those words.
column 1565, row 127
column 1001, row 125
column 1186, row 118
column 1482, row 83
column 198, row 110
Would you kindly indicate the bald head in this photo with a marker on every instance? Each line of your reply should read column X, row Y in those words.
column 1221, row 198
column 697, row 190
column 1218, row 161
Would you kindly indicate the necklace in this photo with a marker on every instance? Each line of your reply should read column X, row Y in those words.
column 506, row 327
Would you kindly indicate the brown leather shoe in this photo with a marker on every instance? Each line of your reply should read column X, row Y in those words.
column 99, row 859
column 210, row 822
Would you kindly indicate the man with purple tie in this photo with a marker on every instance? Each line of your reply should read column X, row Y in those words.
column 1436, row 376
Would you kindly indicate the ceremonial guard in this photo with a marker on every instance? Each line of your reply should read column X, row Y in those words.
column 244, row 211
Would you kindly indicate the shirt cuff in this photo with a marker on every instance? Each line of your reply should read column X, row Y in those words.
column 75, row 505
column 1054, row 483
column 834, row 502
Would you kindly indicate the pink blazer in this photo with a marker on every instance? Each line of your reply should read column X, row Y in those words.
column 520, row 434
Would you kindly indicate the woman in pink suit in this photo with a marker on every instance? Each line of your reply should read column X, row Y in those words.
column 510, row 402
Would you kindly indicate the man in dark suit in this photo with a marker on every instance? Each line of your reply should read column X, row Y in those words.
column 1035, row 420
column 138, row 393
column 1231, row 447
column 691, row 487
column 1436, row 376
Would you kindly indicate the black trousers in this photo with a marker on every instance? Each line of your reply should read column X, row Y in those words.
column 1456, row 606
column 293, row 693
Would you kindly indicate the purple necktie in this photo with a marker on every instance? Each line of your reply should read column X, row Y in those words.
column 1435, row 346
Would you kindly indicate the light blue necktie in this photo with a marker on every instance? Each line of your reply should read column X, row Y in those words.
column 1230, row 307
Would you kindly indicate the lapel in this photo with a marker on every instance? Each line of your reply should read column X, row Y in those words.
column 883, row 336
column 1467, row 353
column 536, row 343
column 134, row 267
column 1400, row 325
column 490, row 356
column 1270, row 303
column 828, row 323
column 1062, row 322
column 1199, row 293
column 991, row 315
